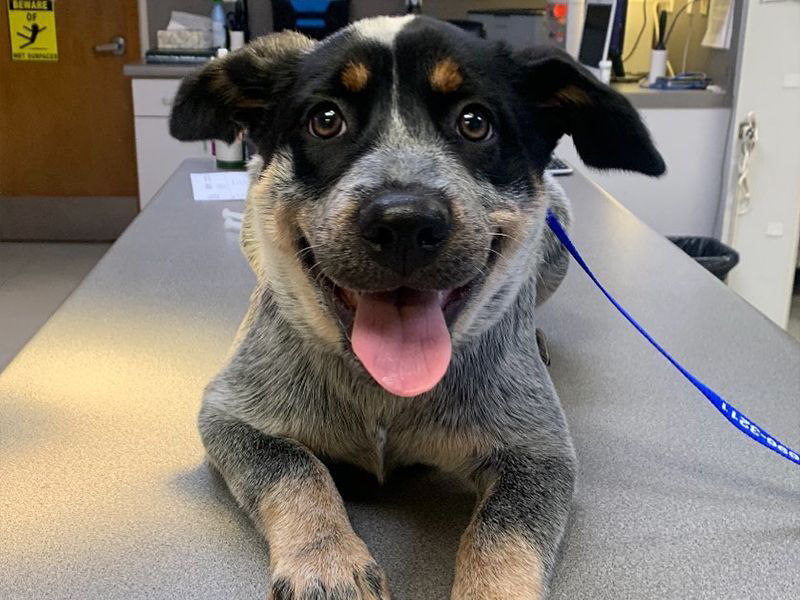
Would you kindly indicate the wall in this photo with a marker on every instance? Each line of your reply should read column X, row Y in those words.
column 718, row 64
column 158, row 11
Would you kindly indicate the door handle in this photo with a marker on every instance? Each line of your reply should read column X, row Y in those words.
column 116, row 46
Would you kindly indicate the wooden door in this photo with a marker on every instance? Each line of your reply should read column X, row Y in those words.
column 67, row 153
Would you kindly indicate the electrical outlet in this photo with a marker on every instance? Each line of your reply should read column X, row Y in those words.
column 667, row 5
column 774, row 229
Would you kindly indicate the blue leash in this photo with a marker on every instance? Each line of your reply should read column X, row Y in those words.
column 741, row 422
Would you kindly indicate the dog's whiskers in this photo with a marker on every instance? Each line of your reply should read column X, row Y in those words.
column 505, row 235
column 499, row 254
column 314, row 266
column 346, row 333
column 479, row 270
column 302, row 251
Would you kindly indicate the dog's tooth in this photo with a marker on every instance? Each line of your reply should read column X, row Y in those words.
column 350, row 296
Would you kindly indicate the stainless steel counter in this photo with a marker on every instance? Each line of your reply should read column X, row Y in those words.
column 105, row 493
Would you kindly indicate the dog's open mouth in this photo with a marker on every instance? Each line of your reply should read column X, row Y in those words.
column 401, row 336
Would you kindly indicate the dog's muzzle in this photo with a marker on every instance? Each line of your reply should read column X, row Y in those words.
column 405, row 230
column 401, row 281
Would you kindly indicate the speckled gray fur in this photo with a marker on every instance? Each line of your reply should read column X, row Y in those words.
column 293, row 395
column 496, row 407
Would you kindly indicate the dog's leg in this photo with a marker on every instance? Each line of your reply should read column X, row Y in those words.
column 553, row 268
column 555, row 258
column 291, row 498
column 509, row 549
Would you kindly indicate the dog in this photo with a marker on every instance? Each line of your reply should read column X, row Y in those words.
column 395, row 224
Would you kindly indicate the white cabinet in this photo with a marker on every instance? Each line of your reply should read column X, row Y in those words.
column 157, row 153
column 686, row 200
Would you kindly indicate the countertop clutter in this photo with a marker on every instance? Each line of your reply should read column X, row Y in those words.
column 106, row 493
column 639, row 97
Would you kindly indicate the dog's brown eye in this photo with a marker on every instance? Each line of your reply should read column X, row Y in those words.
column 474, row 124
column 327, row 122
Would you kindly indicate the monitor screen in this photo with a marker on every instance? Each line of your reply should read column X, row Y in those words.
column 617, row 43
column 595, row 32
column 618, row 30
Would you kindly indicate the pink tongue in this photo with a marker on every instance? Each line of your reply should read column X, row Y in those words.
column 401, row 338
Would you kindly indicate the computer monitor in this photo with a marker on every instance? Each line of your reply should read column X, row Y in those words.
column 616, row 45
column 314, row 18
column 597, row 27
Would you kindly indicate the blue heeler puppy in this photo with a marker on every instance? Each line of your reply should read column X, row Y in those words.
column 395, row 223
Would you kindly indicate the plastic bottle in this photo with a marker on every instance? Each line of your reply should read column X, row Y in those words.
column 218, row 25
column 236, row 39
column 228, row 156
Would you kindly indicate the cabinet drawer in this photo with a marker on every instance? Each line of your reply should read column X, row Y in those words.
column 158, row 154
column 154, row 97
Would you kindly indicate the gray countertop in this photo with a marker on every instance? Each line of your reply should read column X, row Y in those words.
column 105, row 493
column 639, row 97
column 142, row 70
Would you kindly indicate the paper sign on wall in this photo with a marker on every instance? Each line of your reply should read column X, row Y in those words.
column 720, row 24
column 32, row 26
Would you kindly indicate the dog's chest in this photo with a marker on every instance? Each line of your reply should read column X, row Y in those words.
column 368, row 447
column 379, row 437
column 384, row 442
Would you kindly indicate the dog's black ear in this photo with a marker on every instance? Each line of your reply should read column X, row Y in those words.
column 567, row 99
column 232, row 93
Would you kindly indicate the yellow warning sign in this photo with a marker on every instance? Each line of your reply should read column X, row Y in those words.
column 32, row 25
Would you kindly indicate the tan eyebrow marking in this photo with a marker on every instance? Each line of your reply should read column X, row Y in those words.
column 355, row 76
column 572, row 94
column 446, row 76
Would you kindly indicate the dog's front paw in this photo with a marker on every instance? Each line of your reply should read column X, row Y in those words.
column 345, row 571
column 362, row 582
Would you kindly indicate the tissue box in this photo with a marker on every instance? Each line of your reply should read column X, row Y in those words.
column 184, row 39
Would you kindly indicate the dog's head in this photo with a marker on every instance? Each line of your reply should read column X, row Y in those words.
column 399, row 202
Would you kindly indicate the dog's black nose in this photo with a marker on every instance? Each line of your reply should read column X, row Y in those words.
column 405, row 230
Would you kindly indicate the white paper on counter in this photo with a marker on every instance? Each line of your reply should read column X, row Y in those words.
column 229, row 185
column 183, row 20
column 720, row 24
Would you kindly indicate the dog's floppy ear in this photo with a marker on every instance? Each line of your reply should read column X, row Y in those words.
column 233, row 93
column 567, row 99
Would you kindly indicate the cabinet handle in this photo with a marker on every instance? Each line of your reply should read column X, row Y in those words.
column 748, row 136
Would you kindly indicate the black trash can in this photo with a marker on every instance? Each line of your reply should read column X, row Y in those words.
column 710, row 253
